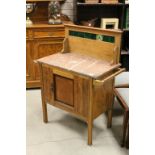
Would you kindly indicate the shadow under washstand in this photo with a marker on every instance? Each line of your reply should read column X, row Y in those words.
column 74, row 124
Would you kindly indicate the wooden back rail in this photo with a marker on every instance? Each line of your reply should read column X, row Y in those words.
column 91, row 42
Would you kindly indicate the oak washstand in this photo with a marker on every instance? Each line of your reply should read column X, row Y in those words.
column 80, row 78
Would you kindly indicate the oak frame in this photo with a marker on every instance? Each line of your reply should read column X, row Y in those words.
column 98, row 91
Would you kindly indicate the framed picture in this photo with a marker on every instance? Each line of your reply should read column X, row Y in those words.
column 109, row 23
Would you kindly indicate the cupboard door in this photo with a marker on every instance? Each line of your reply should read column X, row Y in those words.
column 44, row 48
column 64, row 90
column 29, row 61
column 71, row 93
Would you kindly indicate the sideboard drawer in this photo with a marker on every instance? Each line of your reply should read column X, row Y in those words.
column 48, row 33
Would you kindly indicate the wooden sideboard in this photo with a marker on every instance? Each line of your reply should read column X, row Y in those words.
column 41, row 40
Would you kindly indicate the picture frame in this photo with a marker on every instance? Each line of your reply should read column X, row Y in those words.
column 109, row 23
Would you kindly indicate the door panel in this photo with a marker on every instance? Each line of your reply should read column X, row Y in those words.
column 64, row 90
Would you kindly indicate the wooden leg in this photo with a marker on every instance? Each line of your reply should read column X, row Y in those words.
column 44, row 107
column 109, row 123
column 89, row 133
column 127, row 137
column 125, row 124
column 90, row 114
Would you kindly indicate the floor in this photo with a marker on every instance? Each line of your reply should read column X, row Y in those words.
column 67, row 135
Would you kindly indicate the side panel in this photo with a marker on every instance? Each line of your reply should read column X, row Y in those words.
column 103, row 98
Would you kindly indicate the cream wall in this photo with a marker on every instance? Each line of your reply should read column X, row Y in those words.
column 68, row 8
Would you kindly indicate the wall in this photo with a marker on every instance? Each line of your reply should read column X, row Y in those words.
column 68, row 8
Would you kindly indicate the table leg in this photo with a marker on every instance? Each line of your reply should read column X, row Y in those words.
column 44, row 107
column 125, row 124
column 90, row 114
column 109, row 122
column 89, row 133
column 110, row 110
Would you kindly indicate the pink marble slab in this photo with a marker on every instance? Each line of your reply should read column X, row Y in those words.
column 79, row 63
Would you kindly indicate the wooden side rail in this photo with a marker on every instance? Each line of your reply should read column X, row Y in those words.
column 101, row 82
column 65, row 48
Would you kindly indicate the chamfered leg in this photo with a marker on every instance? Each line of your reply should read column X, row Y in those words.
column 44, row 108
column 110, row 111
column 44, row 105
column 125, row 124
column 90, row 114
column 90, row 133
column 109, row 122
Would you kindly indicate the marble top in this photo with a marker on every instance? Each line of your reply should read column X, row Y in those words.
column 79, row 63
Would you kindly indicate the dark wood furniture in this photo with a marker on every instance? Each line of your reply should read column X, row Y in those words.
column 42, row 40
column 122, row 94
column 80, row 79
column 89, row 11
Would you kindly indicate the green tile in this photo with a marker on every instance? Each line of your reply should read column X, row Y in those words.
column 99, row 37
column 87, row 35
column 110, row 39
column 81, row 34
column 92, row 36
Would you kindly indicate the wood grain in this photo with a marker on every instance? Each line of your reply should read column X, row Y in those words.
column 64, row 90
column 82, row 94
column 41, row 40
column 79, row 63
column 73, row 90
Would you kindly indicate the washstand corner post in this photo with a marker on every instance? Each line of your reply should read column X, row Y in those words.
column 44, row 104
column 90, row 113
